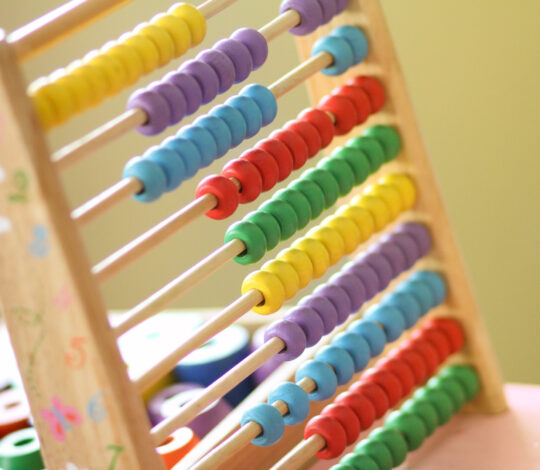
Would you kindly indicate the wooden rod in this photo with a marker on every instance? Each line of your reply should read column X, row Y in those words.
column 171, row 291
column 279, row 25
column 211, row 8
column 212, row 327
column 301, row 454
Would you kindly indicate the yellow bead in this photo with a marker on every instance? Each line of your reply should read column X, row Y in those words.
column 111, row 67
column 361, row 217
column 287, row 275
column 301, row 263
column 347, row 229
column 194, row 19
column 390, row 195
column 60, row 97
column 128, row 57
column 317, row 253
column 376, row 206
column 44, row 109
column 178, row 30
column 79, row 88
column 161, row 40
column 332, row 241
column 94, row 76
column 145, row 48
column 269, row 285
column 404, row 185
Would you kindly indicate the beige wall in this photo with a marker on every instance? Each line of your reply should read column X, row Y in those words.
column 473, row 72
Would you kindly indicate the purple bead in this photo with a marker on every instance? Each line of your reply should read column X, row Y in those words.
column 366, row 274
column 256, row 44
column 393, row 254
column 420, row 234
column 206, row 78
column 174, row 97
column 291, row 334
column 311, row 15
column 270, row 365
column 338, row 297
column 407, row 245
column 341, row 5
column 329, row 9
column 381, row 266
column 324, row 308
column 222, row 65
column 353, row 286
column 310, row 322
column 189, row 87
column 239, row 55
column 156, row 108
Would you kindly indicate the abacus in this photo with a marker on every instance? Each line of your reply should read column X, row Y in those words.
column 50, row 294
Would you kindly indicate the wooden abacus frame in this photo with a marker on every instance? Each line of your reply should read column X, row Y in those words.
column 52, row 303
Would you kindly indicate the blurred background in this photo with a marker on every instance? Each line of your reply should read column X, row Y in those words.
column 473, row 70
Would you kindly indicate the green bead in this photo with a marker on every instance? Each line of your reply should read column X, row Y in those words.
column 357, row 160
column 394, row 441
column 252, row 236
column 20, row 450
column 388, row 138
column 313, row 193
column 411, row 426
column 377, row 451
column 341, row 172
column 284, row 214
column 440, row 400
column 341, row 466
column 360, row 462
column 371, row 147
column 425, row 411
column 326, row 182
column 298, row 202
column 455, row 390
column 268, row 224
column 466, row 376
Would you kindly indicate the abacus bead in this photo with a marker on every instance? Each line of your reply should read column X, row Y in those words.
column 291, row 334
column 441, row 401
column 269, row 419
column 375, row 394
column 250, row 111
column 253, row 238
column 394, row 441
column 311, row 324
column 389, row 195
column 234, row 120
column 346, row 417
column 372, row 333
column 268, row 225
column 313, row 194
column 376, row 206
column 339, row 49
column 308, row 132
column 332, row 432
column 222, row 65
column 358, row 98
column 339, row 299
column 158, row 114
column 378, row 451
column 420, row 234
column 287, row 275
column 388, row 382
column 366, row 274
column 435, row 283
column 373, row 88
column 415, row 362
column 177, row 29
column 266, row 166
column 324, row 308
column 311, row 15
column 323, row 376
column 387, row 137
column 189, row 87
column 353, row 286
column 361, row 217
column 281, row 154
column 419, row 291
column 145, row 49
column 342, row 466
column 426, row 350
column 239, row 55
column 341, row 171
column 296, row 145
column 203, row 140
column 188, row 152
column 171, row 163
column 381, row 266
column 451, row 329
column 296, row 399
column 78, row 86
column 358, row 462
column 356, row 346
column 206, row 77
column 270, row 287
column 357, row 161
column 405, row 186
column 256, row 44
column 452, row 387
column 326, row 182
column 44, row 108
column 161, row 39
column 150, row 174
column 356, row 39
column 329, row 10
column 332, row 241
column 298, row 202
column 219, row 130
column 438, row 339
column 407, row 245
column 371, row 148
column 247, row 175
column 265, row 99
column 322, row 122
column 340, row 360
column 347, row 229
column 425, row 411
column 360, row 405
column 401, row 370
column 408, row 306
column 343, row 110
column 320, row 259
column 174, row 97
column 466, row 376
column 20, row 450
column 298, row 259
column 284, row 214
column 393, row 255
column 194, row 19
column 411, row 426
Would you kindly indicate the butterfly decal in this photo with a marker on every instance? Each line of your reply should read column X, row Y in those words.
column 61, row 418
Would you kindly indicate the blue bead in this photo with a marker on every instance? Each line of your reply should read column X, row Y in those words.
column 219, row 130
column 203, row 140
column 389, row 317
column 420, row 291
column 435, row 283
column 340, row 360
column 356, row 39
column 407, row 304
column 265, row 99
column 250, row 112
column 339, row 49
column 269, row 419
column 150, row 174
column 170, row 162
column 372, row 333
column 323, row 376
column 188, row 152
column 234, row 120
column 356, row 346
column 297, row 401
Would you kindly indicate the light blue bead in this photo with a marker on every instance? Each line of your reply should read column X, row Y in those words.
column 340, row 360
column 269, row 419
column 435, row 282
column 170, row 162
column 203, row 140
column 407, row 304
column 265, row 99
column 297, row 401
column 188, row 152
column 340, row 50
column 420, row 291
column 219, row 130
column 356, row 39
column 372, row 333
column 234, row 120
column 250, row 112
column 150, row 174
column 389, row 317
column 357, row 347
column 323, row 376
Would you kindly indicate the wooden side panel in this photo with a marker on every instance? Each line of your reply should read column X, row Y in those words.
column 86, row 410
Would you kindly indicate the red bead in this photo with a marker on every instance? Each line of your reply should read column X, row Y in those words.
column 333, row 433
column 359, row 98
column 322, row 122
column 225, row 192
column 401, row 370
column 346, row 417
column 295, row 144
column 438, row 339
column 266, row 165
column 426, row 350
column 388, row 382
column 361, row 405
column 281, row 153
column 247, row 175
column 415, row 361
column 374, row 90
column 375, row 394
column 309, row 133
column 343, row 110
column 451, row 328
